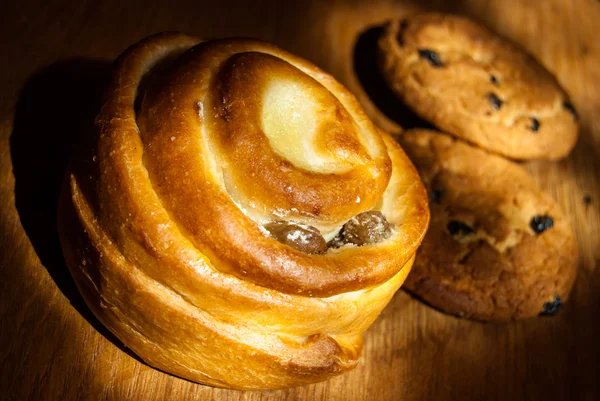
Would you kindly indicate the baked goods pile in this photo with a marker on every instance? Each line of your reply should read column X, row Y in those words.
column 238, row 220
column 498, row 248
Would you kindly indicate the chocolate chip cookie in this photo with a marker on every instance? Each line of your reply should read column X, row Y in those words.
column 497, row 247
column 478, row 86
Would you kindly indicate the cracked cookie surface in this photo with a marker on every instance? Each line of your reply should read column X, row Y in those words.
column 497, row 247
column 478, row 86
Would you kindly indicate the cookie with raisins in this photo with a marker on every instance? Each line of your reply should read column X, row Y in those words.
column 475, row 85
column 497, row 248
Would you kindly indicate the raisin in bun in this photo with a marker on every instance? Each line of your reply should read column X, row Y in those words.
column 238, row 220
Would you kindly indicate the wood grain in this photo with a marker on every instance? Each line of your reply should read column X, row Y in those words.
column 55, row 61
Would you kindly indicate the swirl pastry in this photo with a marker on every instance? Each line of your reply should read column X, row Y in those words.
column 238, row 220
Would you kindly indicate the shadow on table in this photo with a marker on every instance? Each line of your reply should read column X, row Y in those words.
column 364, row 60
column 56, row 108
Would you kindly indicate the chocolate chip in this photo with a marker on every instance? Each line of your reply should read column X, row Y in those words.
column 306, row 239
column 552, row 308
column 495, row 101
column 435, row 196
column 571, row 109
column 366, row 228
column 535, row 124
column 494, row 80
column 541, row 223
column 458, row 227
column 587, row 200
column 432, row 57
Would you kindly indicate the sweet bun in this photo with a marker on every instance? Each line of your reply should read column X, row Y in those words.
column 238, row 220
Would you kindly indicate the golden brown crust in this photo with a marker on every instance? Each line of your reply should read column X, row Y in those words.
column 161, row 220
column 480, row 257
column 477, row 86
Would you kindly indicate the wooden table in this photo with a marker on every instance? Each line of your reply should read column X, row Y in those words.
column 54, row 63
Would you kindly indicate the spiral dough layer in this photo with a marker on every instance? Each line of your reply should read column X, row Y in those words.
column 204, row 154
